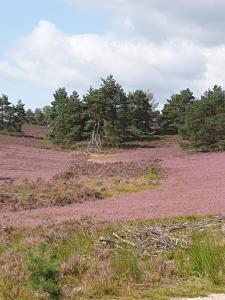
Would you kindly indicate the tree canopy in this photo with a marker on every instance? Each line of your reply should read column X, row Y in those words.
column 174, row 111
column 205, row 120
column 11, row 116
column 105, row 115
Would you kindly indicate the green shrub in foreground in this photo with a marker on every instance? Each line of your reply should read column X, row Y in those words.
column 44, row 271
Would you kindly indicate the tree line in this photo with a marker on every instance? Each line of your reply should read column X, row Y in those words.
column 106, row 115
column 109, row 116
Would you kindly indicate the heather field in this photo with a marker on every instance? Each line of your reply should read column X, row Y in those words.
column 112, row 150
column 144, row 222
column 46, row 185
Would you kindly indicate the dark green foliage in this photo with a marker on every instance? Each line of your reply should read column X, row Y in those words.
column 142, row 114
column 11, row 116
column 107, row 110
column 44, row 272
column 106, row 116
column 174, row 111
column 66, row 121
column 5, row 106
column 205, row 121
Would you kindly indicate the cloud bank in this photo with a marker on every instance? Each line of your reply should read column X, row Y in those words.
column 159, row 45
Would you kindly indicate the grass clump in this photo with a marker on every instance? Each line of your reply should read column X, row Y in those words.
column 126, row 262
column 44, row 272
column 207, row 257
column 152, row 173
column 126, row 189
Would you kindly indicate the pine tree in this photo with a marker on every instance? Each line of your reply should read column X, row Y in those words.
column 4, row 108
column 205, row 120
column 107, row 108
column 66, row 123
column 173, row 113
column 19, row 115
column 58, row 126
column 142, row 112
column 75, row 117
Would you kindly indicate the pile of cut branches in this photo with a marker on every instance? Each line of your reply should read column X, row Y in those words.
column 154, row 239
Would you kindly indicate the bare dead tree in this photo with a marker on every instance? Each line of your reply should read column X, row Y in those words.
column 96, row 140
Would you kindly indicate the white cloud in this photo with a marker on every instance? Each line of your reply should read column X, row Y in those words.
column 202, row 21
column 51, row 58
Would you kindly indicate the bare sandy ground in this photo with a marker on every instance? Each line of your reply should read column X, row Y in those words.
column 194, row 185
column 211, row 297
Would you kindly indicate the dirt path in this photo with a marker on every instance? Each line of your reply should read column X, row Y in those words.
column 195, row 185
column 211, row 297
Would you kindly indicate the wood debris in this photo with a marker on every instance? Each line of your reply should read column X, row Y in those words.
column 160, row 238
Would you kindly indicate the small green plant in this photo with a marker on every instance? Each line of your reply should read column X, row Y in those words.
column 207, row 257
column 44, row 272
column 126, row 189
column 152, row 173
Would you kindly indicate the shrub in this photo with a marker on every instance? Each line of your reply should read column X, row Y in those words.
column 153, row 173
column 44, row 272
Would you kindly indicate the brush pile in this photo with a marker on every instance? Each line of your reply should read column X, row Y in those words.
column 155, row 239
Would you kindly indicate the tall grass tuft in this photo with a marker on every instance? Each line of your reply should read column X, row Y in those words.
column 126, row 262
column 207, row 257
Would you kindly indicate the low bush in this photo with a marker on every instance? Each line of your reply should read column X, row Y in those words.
column 44, row 272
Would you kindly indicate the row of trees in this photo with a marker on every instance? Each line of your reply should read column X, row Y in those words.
column 40, row 116
column 11, row 116
column 201, row 121
column 106, row 115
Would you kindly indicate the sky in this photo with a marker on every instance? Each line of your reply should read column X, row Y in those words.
column 157, row 45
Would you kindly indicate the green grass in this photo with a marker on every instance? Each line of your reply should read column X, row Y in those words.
column 126, row 189
column 125, row 263
column 79, row 243
column 207, row 257
column 190, row 288
column 75, row 263
column 153, row 173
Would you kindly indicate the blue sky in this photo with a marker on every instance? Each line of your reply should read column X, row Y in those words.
column 18, row 18
column 158, row 45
